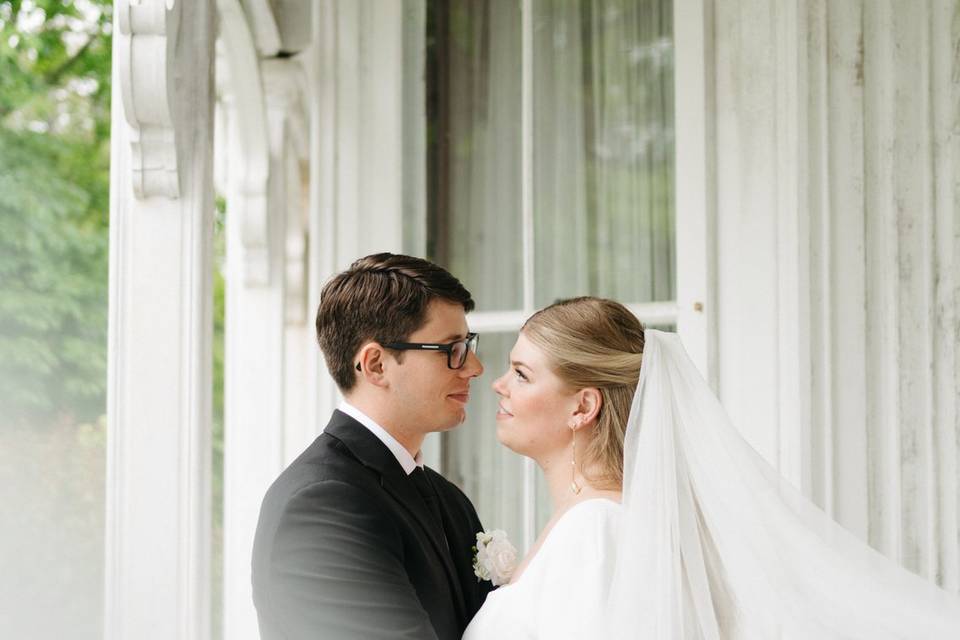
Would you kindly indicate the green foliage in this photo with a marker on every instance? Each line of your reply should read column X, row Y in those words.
column 219, row 313
column 53, row 265
column 54, row 205
column 54, row 202
column 54, row 52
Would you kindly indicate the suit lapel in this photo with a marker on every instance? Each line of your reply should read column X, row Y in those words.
column 369, row 450
column 461, row 532
column 402, row 489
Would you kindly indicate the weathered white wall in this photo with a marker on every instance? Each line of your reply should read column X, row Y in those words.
column 837, row 323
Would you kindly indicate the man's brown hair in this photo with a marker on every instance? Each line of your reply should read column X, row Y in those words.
column 382, row 297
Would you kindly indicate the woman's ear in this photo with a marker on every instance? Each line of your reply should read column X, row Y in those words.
column 369, row 363
column 589, row 401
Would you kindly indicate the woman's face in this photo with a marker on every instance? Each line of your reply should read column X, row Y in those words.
column 536, row 406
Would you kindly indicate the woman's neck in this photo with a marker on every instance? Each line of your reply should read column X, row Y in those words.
column 560, row 479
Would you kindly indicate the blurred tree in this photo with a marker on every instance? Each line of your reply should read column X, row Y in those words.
column 55, row 58
column 54, row 202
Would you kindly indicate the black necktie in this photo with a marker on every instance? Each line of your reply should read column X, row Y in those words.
column 429, row 495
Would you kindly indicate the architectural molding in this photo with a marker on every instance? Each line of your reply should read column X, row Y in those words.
column 280, row 27
column 265, row 29
column 296, row 272
column 267, row 338
column 243, row 96
column 144, row 53
column 293, row 18
column 286, row 97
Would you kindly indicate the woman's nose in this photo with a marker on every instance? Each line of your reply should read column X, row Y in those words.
column 498, row 386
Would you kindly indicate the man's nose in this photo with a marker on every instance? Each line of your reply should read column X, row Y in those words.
column 472, row 367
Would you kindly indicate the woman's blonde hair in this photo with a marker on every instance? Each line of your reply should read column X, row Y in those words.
column 594, row 342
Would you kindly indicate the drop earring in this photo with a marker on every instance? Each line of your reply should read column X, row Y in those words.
column 574, row 486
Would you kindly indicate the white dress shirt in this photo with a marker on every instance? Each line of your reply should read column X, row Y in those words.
column 407, row 461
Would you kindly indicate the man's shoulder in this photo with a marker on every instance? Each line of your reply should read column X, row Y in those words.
column 327, row 459
column 325, row 473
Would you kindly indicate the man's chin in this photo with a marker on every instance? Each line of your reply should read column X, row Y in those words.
column 454, row 421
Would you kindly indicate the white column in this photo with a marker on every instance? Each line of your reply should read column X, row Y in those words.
column 299, row 340
column 262, row 290
column 158, row 477
column 760, row 222
column 696, row 208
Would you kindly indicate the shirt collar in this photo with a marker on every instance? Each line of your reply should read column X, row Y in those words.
column 408, row 462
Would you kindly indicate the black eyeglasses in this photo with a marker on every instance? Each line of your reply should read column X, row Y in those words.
column 456, row 351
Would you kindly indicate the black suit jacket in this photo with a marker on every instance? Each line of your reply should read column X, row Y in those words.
column 344, row 548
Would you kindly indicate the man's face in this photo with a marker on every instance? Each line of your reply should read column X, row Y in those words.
column 429, row 396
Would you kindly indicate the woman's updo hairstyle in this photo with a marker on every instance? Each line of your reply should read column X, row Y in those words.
column 594, row 342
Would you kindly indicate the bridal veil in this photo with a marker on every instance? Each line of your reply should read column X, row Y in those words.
column 715, row 545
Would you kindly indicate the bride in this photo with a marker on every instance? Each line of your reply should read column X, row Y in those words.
column 666, row 524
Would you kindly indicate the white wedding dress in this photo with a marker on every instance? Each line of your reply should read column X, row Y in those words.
column 709, row 544
column 562, row 591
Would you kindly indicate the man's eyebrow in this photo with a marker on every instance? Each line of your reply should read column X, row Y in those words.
column 454, row 336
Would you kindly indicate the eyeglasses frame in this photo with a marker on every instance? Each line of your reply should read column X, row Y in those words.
column 443, row 348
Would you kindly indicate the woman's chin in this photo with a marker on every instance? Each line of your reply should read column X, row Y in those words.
column 505, row 439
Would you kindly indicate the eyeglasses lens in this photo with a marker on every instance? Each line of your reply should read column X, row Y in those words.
column 458, row 355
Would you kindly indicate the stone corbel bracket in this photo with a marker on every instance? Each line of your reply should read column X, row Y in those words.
column 146, row 42
column 296, row 258
column 252, row 165
column 286, row 94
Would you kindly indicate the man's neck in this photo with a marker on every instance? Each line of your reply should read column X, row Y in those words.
column 412, row 441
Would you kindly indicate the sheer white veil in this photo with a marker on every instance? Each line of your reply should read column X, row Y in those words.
column 715, row 545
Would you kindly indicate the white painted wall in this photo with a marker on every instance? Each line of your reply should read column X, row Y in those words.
column 837, row 256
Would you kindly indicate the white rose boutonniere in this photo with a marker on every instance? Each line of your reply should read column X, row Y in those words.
column 495, row 558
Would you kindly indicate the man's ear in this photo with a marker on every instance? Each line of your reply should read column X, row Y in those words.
column 589, row 401
column 369, row 363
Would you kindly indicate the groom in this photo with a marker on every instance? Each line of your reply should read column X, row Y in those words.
column 356, row 538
